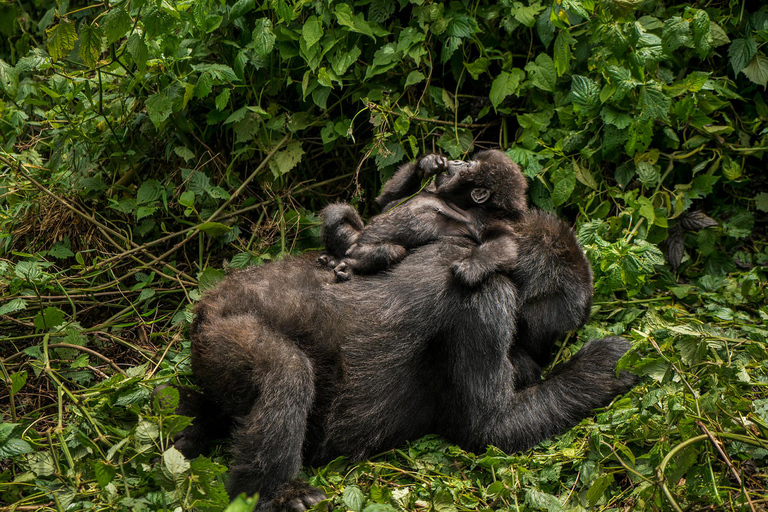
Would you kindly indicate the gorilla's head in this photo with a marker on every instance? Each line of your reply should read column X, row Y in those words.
column 491, row 182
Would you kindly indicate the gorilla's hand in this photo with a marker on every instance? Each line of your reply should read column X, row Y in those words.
column 432, row 164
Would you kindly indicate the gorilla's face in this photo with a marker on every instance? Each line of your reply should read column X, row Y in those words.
column 491, row 182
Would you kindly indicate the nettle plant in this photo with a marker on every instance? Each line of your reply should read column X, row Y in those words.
column 639, row 112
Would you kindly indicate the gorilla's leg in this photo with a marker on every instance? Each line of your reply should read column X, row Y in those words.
column 369, row 259
column 208, row 421
column 340, row 229
column 565, row 397
column 267, row 440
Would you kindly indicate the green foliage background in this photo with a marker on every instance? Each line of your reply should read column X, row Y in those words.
column 144, row 145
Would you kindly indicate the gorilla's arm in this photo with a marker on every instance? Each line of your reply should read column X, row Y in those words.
column 407, row 180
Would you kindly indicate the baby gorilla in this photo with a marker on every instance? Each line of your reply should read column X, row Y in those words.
column 478, row 199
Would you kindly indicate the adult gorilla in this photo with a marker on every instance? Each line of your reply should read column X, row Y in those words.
column 310, row 369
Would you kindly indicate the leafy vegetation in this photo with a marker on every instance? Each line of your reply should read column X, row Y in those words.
column 146, row 145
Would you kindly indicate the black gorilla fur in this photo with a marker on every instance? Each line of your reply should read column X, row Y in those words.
column 306, row 369
column 479, row 199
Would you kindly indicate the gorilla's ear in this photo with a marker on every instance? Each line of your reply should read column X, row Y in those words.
column 480, row 195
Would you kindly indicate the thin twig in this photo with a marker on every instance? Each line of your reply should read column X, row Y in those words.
column 89, row 351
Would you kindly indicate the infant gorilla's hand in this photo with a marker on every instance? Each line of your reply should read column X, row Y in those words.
column 432, row 164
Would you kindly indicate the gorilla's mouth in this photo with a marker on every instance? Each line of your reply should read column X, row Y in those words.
column 451, row 211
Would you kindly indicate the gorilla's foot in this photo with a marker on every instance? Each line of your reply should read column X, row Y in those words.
column 296, row 496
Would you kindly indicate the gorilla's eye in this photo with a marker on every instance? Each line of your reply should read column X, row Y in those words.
column 480, row 195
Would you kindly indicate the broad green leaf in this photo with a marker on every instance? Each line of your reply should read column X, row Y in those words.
column 18, row 380
column 676, row 33
column 214, row 228
column 542, row 72
column 263, row 39
column 138, row 50
column 187, row 199
column 654, row 103
column 60, row 251
column 222, row 100
column 149, row 192
column 157, row 22
column 354, row 498
column 91, row 44
column 116, row 23
column 13, row 447
column 462, row 25
column 242, row 503
column 584, row 176
column 209, row 278
column 586, row 93
column 9, row 79
column 562, row 51
column 615, row 117
column 414, row 77
column 719, row 37
column 757, row 70
column 311, row 31
column 505, row 84
column 48, row 318
column 241, row 7
column 105, row 473
column 477, row 67
column 13, row 306
column 355, row 22
column 761, row 201
column 159, row 108
column 61, row 39
column 596, row 490
column 286, row 159
column 175, row 462
column 648, row 174
column 702, row 36
column 564, row 181
column 344, row 58
column 741, row 52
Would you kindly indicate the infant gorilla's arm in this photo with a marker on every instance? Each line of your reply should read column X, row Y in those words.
column 342, row 227
column 496, row 254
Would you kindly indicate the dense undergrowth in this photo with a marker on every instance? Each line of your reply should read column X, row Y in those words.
column 147, row 145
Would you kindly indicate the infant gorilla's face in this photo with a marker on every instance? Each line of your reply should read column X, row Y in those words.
column 457, row 184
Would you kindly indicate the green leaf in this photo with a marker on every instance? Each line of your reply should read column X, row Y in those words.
column 105, row 473
column 187, row 199
column 286, row 159
column 48, row 318
column 92, row 43
column 584, row 176
column 542, row 72
column 116, row 23
column 263, row 39
column 702, row 36
column 504, row 85
column 159, row 108
column 9, row 79
column 719, row 37
column 18, row 380
column 222, row 100
column 414, row 77
column 615, row 117
column 654, row 103
column 757, row 70
column 648, row 174
column 209, row 278
column 149, row 192
column 355, row 22
column 214, row 228
column 175, row 462
column 354, row 498
column 344, row 58
column 761, row 202
column 585, row 92
column 13, row 306
column 477, row 67
column 60, row 251
column 61, row 39
column 242, row 503
column 562, row 51
column 13, row 447
column 241, row 7
column 741, row 52
column 157, row 22
column 676, row 33
column 138, row 50
column 564, row 181
column 596, row 490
